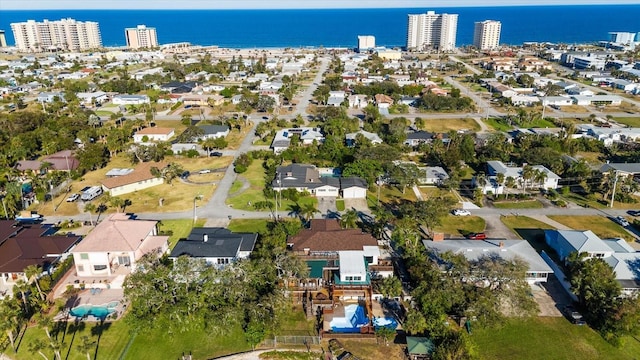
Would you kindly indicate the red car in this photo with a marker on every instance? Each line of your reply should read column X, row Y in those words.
column 477, row 236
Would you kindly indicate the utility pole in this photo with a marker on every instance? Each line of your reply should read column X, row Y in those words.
column 613, row 193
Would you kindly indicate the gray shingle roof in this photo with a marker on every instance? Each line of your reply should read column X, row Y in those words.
column 220, row 242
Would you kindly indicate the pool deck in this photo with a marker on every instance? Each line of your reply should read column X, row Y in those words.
column 103, row 297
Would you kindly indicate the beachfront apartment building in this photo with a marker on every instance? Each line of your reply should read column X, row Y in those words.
column 366, row 42
column 486, row 34
column 141, row 37
column 66, row 34
column 432, row 31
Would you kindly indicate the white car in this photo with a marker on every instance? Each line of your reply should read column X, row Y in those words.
column 73, row 197
column 621, row 221
column 204, row 171
column 461, row 212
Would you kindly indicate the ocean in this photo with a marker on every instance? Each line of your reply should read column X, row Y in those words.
column 340, row 27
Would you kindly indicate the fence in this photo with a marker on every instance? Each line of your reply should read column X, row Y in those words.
column 295, row 340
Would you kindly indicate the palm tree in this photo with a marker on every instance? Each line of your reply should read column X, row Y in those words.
column 349, row 219
column 540, row 177
column 499, row 181
column 85, row 346
column 90, row 208
column 22, row 287
column 510, row 183
column 10, row 319
column 36, row 346
column 33, row 272
column 527, row 174
column 307, row 211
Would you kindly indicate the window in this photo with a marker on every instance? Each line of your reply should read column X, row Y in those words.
column 99, row 267
column 84, row 256
column 80, row 268
column 223, row 261
column 124, row 260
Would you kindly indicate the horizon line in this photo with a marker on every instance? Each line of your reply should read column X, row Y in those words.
column 44, row 5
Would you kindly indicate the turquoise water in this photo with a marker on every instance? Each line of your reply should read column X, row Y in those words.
column 99, row 311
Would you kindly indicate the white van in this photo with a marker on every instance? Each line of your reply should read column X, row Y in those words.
column 91, row 193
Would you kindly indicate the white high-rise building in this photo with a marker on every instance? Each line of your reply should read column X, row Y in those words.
column 486, row 34
column 3, row 40
column 622, row 37
column 141, row 37
column 66, row 34
column 366, row 42
column 432, row 31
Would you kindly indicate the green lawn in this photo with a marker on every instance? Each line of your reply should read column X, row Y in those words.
column 460, row 225
column 389, row 195
column 630, row 121
column 529, row 229
column 541, row 123
column 497, row 125
column 158, row 344
column 180, row 228
column 255, row 175
column 526, row 204
column 600, row 225
column 248, row 225
column 113, row 339
column 237, row 185
column 550, row 338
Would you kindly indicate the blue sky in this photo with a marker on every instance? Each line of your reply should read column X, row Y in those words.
column 280, row 4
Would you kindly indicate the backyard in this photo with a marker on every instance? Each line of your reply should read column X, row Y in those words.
column 446, row 125
column 457, row 226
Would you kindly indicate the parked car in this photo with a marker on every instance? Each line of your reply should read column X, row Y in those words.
column 621, row 221
column 461, row 212
column 215, row 153
column 573, row 315
column 204, row 171
column 185, row 174
column 476, row 236
column 634, row 212
column 73, row 197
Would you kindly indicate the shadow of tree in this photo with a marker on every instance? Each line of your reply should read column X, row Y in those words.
column 98, row 330
column 74, row 328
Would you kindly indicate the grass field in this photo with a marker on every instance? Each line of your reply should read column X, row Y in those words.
column 113, row 339
column 549, row 338
column 529, row 229
column 590, row 157
column 445, row 125
column 248, row 225
column 497, row 124
column 178, row 196
column 158, row 344
column 432, row 191
column 369, row 349
column 180, row 228
column 390, row 195
column 255, row 176
column 600, row 225
column 525, row 204
column 630, row 121
column 541, row 123
column 457, row 226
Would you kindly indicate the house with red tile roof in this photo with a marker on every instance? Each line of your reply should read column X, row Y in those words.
column 118, row 242
column 25, row 245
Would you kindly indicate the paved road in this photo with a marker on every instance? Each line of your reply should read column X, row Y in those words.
column 307, row 94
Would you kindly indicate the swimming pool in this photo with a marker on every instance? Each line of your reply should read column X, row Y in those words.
column 99, row 311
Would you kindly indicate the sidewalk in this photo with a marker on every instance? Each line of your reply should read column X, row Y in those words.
column 546, row 220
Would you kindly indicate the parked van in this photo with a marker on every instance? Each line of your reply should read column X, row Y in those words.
column 91, row 193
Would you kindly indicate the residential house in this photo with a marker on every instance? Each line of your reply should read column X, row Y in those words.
column 623, row 259
column 153, row 134
column 383, row 101
column 509, row 250
column 357, row 101
column 49, row 97
column 130, row 99
column 420, row 348
column 115, row 246
column 305, row 178
column 336, row 98
column 90, row 98
column 23, row 245
column 433, row 175
column 609, row 135
column 415, row 138
column 372, row 137
column 307, row 136
column 214, row 131
column 622, row 169
column 498, row 167
column 64, row 160
column 141, row 178
column 217, row 246
column 556, row 101
column 340, row 258
column 353, row 188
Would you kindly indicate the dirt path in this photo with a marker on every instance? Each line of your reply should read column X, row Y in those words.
column 245, row 186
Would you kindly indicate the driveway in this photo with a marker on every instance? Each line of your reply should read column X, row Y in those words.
column 327, row 205
column 551, row 297
column 495, row 229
